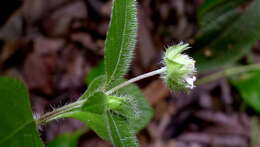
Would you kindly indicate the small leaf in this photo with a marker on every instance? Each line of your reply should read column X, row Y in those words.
column 228, row 31
column 17, row 126
column 92, row 115
column 121, row 39
column 95, row 103
column 95, row 86
column 248, row 85
column 119, row 132
column 66, row 140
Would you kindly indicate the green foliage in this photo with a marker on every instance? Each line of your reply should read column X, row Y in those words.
column 137, row 108
column 66, row 140
column 96, row 103
column 92, row 120
column 248, row 85
column 17, row 126
column 119, row 131
column 96, row 85
column 114, row 102
column 208, row 12
column 121, row 39
column 228, row 30
column 115, row 114
column 122, row 121
column 134, row 114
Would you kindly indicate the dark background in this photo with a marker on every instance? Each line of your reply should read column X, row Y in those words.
column 52, row 45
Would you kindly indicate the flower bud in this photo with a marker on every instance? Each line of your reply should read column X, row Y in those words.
column 114, row 102
column 125, row 106
column 180, row 68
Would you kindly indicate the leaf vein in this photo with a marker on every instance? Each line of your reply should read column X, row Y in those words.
column 15, row 131
column 121, row 44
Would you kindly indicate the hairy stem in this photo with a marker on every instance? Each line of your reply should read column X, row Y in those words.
column 45, row 118
column 228, row 72
column 138, row 78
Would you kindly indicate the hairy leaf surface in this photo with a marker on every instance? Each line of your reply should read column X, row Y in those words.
column 95, row 103
column 121, row 39
column 120, row 133
column 138, row 110
column 96, row 85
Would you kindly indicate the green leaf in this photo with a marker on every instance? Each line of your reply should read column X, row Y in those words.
column 90, row 113
column 228, row 30
column 95, row 86
column 208, row 10
column 248, row 85
column 137, row 113
column 95, row 103
column 138, row 109
column 121, row 39
column 17, row 126
column 119, row 131
column 92, row 120
column 66, row 140
column 95, row 72
column 108, row 126
column 214, row 16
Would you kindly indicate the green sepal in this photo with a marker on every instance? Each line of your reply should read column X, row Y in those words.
column 180, row 68
column 114, row 102
column 96, row 103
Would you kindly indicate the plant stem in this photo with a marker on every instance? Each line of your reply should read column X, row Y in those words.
column 138, row 78
column 73, row 106
column 228, row 72
column 45, row 118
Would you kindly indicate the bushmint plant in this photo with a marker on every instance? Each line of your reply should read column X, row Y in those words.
column 112, row 106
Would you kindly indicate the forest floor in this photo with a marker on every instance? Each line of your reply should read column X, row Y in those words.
column 53, row 44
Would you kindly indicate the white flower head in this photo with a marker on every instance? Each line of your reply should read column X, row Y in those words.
column 180, row 68
column 190, row 82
